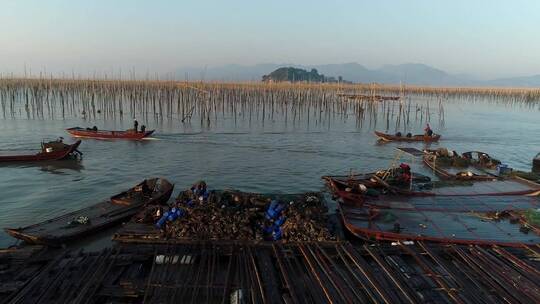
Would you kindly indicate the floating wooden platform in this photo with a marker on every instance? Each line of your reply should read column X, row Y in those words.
column 284, row 273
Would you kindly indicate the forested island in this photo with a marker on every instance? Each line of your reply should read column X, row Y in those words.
column 292, row 74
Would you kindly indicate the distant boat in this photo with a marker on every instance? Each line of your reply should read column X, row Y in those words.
column 421, row 137
column 54, row 150
column 105, row 134
column 73, row 225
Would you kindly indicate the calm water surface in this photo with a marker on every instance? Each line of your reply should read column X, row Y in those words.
column 277, row 157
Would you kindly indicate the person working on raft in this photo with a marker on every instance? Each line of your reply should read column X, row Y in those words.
column 428, row 131
column 135, row 125
column 405, row 177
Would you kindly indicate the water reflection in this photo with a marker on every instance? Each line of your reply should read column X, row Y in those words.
column 62, row 167
column 54, row 166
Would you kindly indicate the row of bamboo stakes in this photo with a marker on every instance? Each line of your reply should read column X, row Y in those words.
column 210, row 102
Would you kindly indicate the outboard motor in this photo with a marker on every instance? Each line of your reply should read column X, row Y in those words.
column 536, row 164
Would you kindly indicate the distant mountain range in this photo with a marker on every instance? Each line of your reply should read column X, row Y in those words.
column 409, row 73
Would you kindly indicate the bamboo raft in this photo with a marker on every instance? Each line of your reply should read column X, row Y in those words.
column 282, row 273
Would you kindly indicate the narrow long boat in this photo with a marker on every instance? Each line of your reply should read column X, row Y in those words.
column 420, row 137
column 347, row 188
column 479, row 220
column 106, row 134
column 51, row 151
column 73, row 225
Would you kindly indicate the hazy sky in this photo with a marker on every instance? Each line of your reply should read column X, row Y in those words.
column 485, row 38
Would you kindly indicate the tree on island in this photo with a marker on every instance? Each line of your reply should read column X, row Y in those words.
column 291, row 74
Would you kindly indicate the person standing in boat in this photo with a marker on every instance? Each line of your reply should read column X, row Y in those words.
column 135, row 125
column 428, row 131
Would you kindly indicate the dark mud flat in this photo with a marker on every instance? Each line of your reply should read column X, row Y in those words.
column 282, row 273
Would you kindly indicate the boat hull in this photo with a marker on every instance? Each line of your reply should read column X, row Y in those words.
column 42, row 156
column 54, row 232
column 509, row 187
column 446, row 220
column 414, row 138
column 83, row 133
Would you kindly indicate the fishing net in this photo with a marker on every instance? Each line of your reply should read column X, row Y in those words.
column 533, row 217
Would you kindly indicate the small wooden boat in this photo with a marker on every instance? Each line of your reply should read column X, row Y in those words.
column 104, row 134
column 347, row 188
column 76, row 224
column 54, row 150
column 485, row 226
column 421, row 137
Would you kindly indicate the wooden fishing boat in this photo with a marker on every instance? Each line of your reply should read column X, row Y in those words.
column 105, row 134
column 420, row 137
column 76, row 224
column 348, row 190
column 50, row 151
column 464, row 220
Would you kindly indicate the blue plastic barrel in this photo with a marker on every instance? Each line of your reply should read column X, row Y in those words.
column 276, row 234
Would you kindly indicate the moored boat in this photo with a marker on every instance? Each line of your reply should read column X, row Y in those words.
column 106, row 134
column 349, row 190
column 71, row 226
column 419, row 137
column 503, row 221
column 50, row 151
column 354, row 189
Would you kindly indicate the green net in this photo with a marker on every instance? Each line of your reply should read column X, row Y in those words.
column 532, row 216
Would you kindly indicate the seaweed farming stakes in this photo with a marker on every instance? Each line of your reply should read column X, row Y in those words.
column 208, row 103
